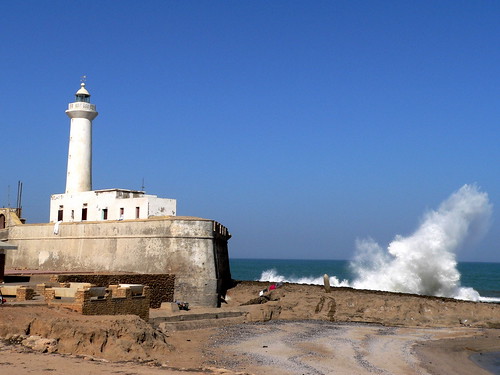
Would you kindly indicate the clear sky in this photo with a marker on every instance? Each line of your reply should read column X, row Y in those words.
column 299, row 125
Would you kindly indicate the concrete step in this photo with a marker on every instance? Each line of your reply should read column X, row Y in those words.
column 198, row 324
column 187, row 320
column 186, row 316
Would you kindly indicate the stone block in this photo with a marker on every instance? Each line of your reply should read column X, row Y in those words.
column 25, row 294
column 98, row 292
column 135, row 289
column 80, row 285
column 9, row 290
column 169, row 306
column 64, row 292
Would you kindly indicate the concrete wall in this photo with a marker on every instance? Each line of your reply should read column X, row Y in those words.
column 192, row 249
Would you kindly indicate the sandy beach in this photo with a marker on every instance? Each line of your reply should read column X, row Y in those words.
column 298, row 340
column 310, row 347
column 278, row 347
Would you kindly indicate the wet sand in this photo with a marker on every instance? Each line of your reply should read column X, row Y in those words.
column 310, row 347
column 453, row 355
column 489, row 361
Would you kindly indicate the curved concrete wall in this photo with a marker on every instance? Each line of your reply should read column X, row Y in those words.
column 192, row 249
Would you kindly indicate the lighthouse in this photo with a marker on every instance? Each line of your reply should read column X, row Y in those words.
column 79, row 172
column 80, row 203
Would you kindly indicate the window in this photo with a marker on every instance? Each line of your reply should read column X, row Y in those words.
column 122, row 213
column 72, row 214
column 84, row 213
column 105, row 214
column 60, row 213
column 137, row 212
column 82, row 98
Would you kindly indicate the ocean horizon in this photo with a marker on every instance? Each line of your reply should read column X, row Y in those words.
column 482, row 277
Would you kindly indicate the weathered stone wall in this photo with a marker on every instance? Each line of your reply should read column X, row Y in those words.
column 25, row 294
column 22, row 293
column 221, row 254
column 161, row 286
column 187, row 247
column 119, row 301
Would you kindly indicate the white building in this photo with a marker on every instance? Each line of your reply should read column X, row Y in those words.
column 80, row 202
column 109, row 204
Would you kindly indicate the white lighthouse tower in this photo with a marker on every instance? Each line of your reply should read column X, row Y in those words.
column 80, row 202
column 81, row 112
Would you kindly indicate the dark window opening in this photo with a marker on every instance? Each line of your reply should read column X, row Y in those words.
column 137, row 212
column 2, row 221
column 2, row 267
column 84, row 214
column 60, row 215
column 82, row 98
column 105, row 214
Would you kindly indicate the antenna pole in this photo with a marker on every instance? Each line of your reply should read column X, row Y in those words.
column 19, row 198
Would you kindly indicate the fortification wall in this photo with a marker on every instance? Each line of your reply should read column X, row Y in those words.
column 192, row 249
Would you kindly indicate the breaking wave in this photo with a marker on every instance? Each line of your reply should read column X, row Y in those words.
column 423, row 262
column 273, row 277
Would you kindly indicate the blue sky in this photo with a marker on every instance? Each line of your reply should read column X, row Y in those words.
column 299, row 125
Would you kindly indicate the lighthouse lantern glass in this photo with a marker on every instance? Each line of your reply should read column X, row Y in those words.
column 82, row 98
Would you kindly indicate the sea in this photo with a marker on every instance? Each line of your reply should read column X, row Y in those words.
column 484, row 278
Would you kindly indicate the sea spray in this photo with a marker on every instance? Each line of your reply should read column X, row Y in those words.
column 424, row 262
column 273, row 277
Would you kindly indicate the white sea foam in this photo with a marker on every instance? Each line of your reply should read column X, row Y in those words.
column 489, row 299
column 424, row 262
column 272, row 276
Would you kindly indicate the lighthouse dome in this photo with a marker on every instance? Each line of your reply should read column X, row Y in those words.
column 82, row 95
column 83, row 91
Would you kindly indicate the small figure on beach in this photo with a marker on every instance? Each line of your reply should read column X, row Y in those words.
column 182, row 305
column 270, row 288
